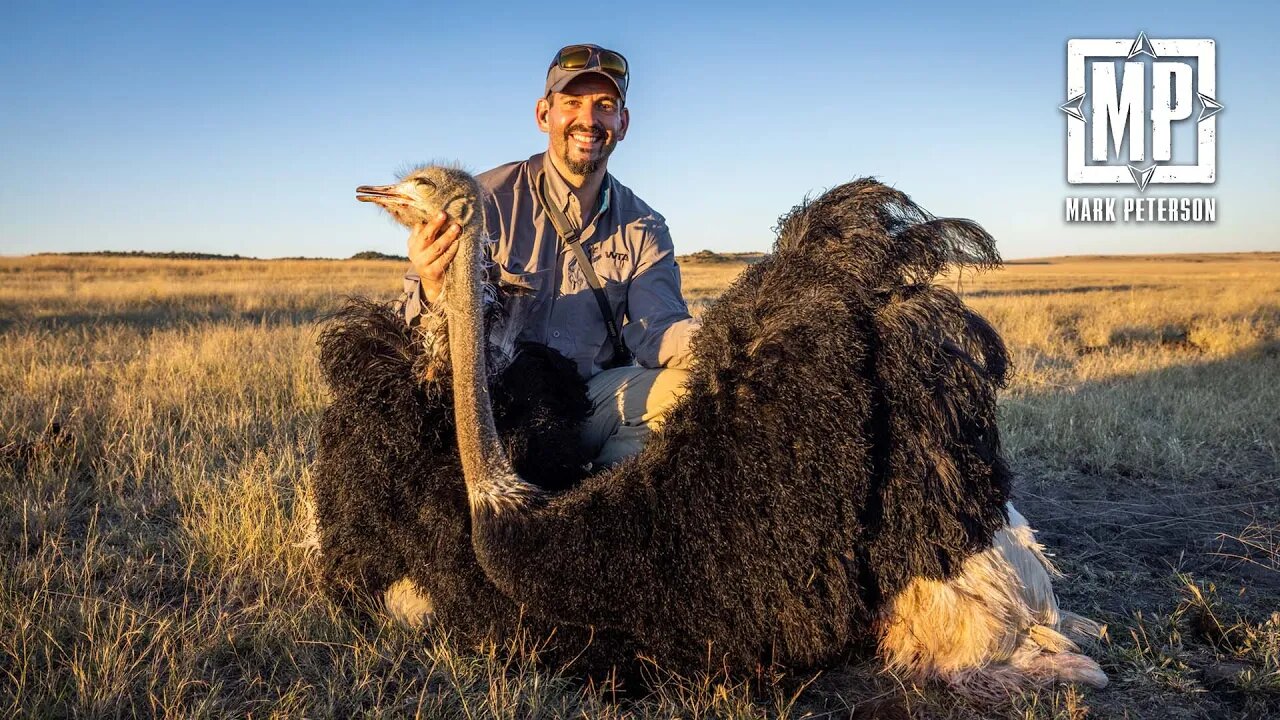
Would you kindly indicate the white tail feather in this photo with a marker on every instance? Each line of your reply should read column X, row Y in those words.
column 408, row 603
column 994, row 627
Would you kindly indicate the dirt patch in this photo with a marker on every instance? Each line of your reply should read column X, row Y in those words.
column 1168, row 568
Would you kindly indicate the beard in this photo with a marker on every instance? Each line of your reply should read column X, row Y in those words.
column 581, row 167
column 590, row 164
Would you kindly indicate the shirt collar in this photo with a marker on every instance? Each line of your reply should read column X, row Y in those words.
column 559, row 192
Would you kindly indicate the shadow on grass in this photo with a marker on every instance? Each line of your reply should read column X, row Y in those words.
column 1069, row 290
column 164, row 316
column 1133, row 536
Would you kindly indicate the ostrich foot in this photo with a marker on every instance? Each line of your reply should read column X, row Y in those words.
column 408, row 603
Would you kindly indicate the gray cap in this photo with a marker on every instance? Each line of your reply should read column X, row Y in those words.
column 558, row 77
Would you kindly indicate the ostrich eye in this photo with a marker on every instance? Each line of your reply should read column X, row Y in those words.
column 425, row 183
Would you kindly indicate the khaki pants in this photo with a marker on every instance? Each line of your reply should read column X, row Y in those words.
column 627, row 404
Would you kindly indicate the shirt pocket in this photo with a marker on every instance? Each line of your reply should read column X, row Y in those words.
column 521, row 282
column 616, row 292
column 611, row 265
column 613, row 269
column 521, row 295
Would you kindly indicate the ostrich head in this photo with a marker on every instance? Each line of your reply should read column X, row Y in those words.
column 424, row 192
column 419, row 196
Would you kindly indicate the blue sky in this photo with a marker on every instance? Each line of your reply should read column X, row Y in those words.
column 245, row 127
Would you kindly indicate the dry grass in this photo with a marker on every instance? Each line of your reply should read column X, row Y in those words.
column 157, row 421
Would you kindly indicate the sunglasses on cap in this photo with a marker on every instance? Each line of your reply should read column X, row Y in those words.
column 582, row 57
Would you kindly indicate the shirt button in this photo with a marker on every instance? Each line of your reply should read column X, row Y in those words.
column 555, row 333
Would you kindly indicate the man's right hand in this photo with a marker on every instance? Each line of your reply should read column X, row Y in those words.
column 430, row 252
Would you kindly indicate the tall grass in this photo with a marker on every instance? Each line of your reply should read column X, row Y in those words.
column 157, row 422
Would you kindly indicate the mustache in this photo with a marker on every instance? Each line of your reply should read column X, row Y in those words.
column 596, row 131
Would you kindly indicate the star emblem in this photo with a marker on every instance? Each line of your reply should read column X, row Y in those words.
column 1208, row 107
column 1142, row 176
column 1142, row 46
column 1074, row 107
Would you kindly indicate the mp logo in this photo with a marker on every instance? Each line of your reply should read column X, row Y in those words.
column 1127, row 100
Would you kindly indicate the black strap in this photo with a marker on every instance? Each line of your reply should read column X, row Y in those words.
column 572, row 238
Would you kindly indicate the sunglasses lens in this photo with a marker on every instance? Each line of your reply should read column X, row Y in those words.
column 613, row 63
column 574, row 58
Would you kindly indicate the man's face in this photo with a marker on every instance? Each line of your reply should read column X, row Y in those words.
column 585, row 122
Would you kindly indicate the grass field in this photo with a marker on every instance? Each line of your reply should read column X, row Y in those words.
column 157, row 420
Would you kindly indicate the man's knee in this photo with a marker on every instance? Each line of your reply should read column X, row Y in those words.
column 667, row 389
column 627, row 405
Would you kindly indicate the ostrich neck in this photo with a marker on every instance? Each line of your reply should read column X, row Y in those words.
column 491, row 479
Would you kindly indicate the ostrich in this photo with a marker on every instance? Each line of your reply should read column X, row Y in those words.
column 832, row 477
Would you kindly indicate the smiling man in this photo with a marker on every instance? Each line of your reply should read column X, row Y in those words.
column 612, row 304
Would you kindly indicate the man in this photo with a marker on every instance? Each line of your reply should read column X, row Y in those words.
column 583, row 111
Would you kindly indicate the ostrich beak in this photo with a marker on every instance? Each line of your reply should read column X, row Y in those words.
column 381, row 194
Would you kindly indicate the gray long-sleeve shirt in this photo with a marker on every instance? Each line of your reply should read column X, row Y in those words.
column 630, row 249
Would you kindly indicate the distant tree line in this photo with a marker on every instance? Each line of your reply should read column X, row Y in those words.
column 710, row 256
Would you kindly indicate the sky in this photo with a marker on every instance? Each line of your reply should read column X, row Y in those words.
column 244, row 128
